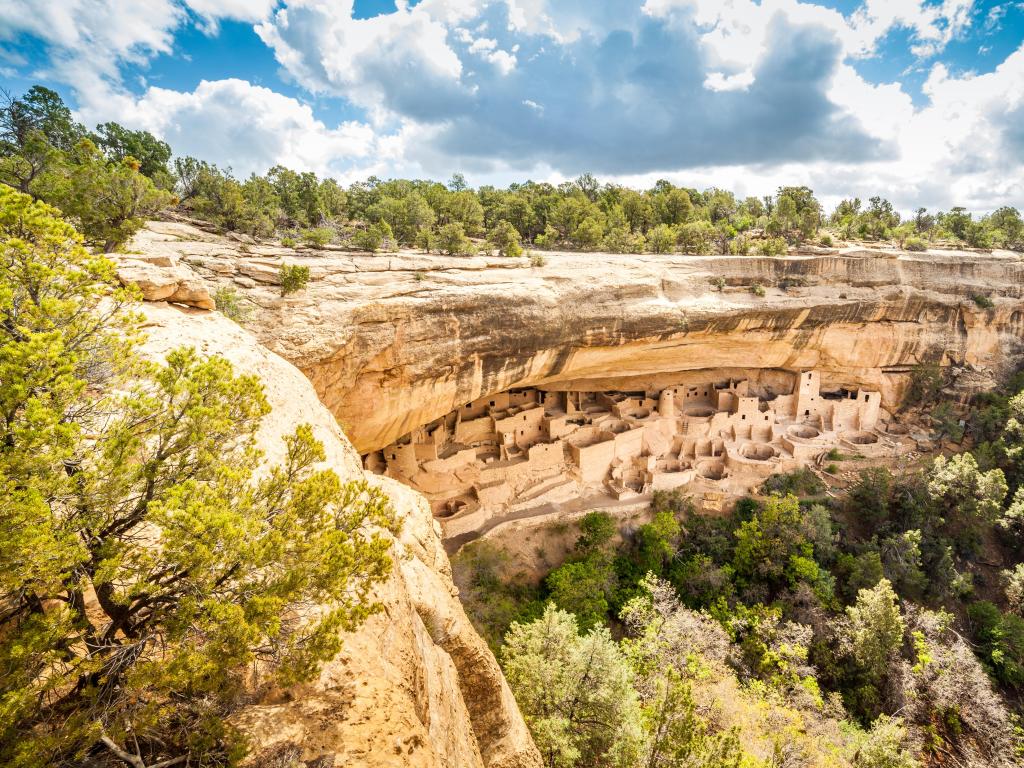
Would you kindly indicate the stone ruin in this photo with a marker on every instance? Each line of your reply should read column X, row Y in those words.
column 525, row 447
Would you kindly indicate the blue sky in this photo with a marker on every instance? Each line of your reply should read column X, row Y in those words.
column 917, row 100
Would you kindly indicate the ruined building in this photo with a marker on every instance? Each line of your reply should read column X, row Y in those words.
column 524, row 447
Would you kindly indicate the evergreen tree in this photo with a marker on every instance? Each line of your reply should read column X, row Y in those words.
column 148, row 572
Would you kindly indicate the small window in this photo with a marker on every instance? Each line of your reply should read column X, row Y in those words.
column 492, row 403
column 866, row 398
column 808, row 375
column 744, row 417
column 807, row 413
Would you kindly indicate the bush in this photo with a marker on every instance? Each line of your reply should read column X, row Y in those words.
column 505, row 238
column 536, row 260
column 915, row 244
column 757, row 289
column 452, row 240
column 826, row 240
column 718, row 283
column 231, row 305
column 661, row 239
column 294, row 277
column 983, row 301
column 317, row 237
column 374, row 237
column 288, row 241
column 773, row 246
column 621, row 240
column 800, row 482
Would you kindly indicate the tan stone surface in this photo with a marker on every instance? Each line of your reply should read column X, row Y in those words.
column 392, row 341
column 415, row 686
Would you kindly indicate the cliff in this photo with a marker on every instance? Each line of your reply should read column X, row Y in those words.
column 415, row 686
column 391, row 341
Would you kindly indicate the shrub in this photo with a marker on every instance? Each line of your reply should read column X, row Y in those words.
column 739, row 246
column 757, row 289
column 548, row 238
column 419, row 277
column 718, row 283
column 231, row 305
column 800, row 482
column 374, row 237
column 772, row 246
column 621, row 240
column 452, row 240
column 288, row 241
column 536, row 260
column 915, row 244
column 661, row 239
column 294, row 277
column 826, row 240
column 505, row 238
column 317, row 237
column 983, row 301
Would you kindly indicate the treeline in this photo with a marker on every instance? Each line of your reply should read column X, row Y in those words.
column 878, row 221
column 109, row 180
column 898, row 607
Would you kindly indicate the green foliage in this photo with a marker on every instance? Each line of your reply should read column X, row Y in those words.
column 769, row 544
column 621, row 240
column 373, row 237
column 876, row 628
column 982, row 301
column 294, row 277
column 1001, row 638
column 825, row 240
column 119, row 143
column 231, row 305
column 799, row 482
column 915, row 244
column 581, row 588
column 926, row 380
column 505, row 238
column 696, row 237
column 106, row 639
column 108, row 202
column 757, row 289
column 661, row 239
column 884, row 746
column 575, row 691
column 492, row 601
column 317, row 237
column 537, row 260
column 772, row 246
column 452, row 240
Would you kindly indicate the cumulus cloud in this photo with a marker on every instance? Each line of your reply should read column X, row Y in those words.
column 250, row 128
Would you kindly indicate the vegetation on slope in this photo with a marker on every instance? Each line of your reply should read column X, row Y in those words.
column 149, row 575
column 883, row 628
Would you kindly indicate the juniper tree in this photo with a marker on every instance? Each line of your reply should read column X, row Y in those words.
column 149, row 573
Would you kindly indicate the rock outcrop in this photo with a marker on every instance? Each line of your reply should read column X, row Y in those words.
column 392, row 341
column 415, row 685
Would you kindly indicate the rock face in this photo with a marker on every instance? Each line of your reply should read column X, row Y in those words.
column 393, row 341
column 415, row 686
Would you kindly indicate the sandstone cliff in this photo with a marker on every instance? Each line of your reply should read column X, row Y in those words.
column 392, row 341
column 415, row 686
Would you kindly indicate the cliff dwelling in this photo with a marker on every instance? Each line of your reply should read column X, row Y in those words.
column 525, row 447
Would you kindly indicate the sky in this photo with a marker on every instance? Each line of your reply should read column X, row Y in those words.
column 919, row 101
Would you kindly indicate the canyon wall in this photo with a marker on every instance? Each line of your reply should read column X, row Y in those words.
column 415, row 685
column 391, row 341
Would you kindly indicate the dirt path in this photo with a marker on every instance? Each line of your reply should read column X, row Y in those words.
column 599, row 501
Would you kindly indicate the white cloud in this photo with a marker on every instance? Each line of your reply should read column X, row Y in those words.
column 251, row 128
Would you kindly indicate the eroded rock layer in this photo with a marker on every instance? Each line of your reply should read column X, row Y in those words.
column 415, row 685
column 393, row 341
